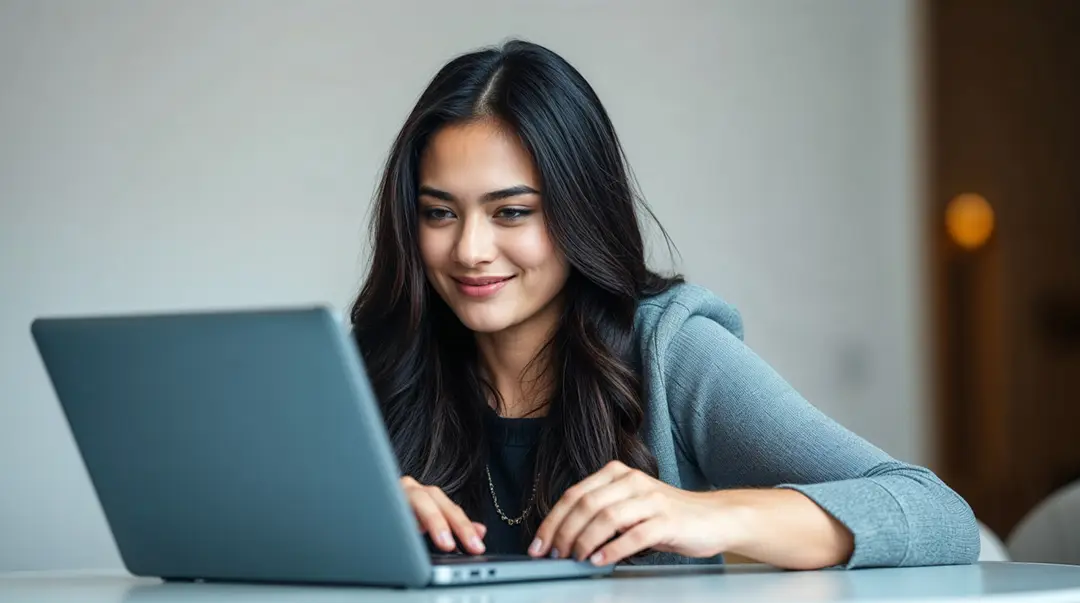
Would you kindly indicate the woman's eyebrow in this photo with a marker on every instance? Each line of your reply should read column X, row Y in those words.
column 505, row 193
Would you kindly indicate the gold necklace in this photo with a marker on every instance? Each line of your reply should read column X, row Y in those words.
column 495, row 499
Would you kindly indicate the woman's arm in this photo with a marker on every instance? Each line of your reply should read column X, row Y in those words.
column 747, row 428
column 784, row 528
column 619, row 511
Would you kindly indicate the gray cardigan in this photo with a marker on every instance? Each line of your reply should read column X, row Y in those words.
column 718, row 417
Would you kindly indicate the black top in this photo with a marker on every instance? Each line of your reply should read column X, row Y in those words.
column 512, row 461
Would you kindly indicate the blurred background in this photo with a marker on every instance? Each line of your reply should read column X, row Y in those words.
column 887, row 189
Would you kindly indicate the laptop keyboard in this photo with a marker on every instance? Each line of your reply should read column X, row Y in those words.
column 451, row 559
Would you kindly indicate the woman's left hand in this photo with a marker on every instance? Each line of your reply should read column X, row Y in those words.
column 643, row 512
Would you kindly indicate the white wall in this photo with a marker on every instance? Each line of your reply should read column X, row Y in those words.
column 204, row 153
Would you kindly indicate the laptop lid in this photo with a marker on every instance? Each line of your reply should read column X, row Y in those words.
column 235, row 445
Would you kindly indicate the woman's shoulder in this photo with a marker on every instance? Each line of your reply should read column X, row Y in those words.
column 660, row 318
column 683, row 333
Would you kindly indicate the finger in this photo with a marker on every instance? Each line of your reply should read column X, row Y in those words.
column 481, row 529
column 619, row 517
column 542, row 544
column 644, row 535
column 592, row 504
column 432, row 519
column 407, row 484
column 459, row 522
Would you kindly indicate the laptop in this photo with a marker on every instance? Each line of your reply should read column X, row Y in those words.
column 246, row 445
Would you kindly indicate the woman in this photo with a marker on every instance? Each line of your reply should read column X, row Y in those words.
column 545, row 392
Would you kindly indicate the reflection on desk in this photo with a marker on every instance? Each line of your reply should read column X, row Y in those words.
column 1030, row 583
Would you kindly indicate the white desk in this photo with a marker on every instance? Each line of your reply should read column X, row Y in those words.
column 1027, row 583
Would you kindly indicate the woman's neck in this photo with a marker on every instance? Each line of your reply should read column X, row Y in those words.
column 513, row 363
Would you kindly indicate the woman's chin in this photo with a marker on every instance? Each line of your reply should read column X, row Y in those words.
column 485, row 326
column 483, row 322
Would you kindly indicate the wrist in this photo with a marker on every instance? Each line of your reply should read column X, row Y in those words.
column 734, row 520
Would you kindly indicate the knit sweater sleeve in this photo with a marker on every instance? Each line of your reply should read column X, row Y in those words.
column 745, row 426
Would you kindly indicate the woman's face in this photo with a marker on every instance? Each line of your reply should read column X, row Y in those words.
column 482, row 235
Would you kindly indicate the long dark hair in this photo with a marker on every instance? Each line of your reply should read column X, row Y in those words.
column 423, row 362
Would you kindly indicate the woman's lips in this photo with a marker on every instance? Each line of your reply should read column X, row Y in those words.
column 481, row 286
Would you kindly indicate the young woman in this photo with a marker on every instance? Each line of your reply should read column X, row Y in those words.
column 545, row 392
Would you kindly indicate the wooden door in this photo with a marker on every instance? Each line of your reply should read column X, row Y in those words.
column 1004, row 112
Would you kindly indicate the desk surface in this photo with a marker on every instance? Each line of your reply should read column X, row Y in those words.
column 1030, row 583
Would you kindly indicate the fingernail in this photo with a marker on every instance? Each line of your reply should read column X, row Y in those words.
column 597, row 558
column 534, row 548
column 446, row 538
column 475, row 543
column 554, row 553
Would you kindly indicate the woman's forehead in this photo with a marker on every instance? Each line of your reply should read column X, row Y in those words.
column 473, row 159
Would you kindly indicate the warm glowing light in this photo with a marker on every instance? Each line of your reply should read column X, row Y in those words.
column 969, row 220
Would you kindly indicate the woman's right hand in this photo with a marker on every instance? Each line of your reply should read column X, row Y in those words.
column 441, row 519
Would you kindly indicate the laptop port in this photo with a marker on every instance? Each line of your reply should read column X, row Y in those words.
column 491, row 573
column 474, row 573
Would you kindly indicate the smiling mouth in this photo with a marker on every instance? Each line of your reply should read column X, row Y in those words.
column 479, row 282
column 482, row 286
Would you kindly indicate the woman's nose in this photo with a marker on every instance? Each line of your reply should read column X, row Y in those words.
column 476, row 242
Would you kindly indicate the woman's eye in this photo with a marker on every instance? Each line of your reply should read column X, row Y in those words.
column 513, row 213
column 437, row 214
